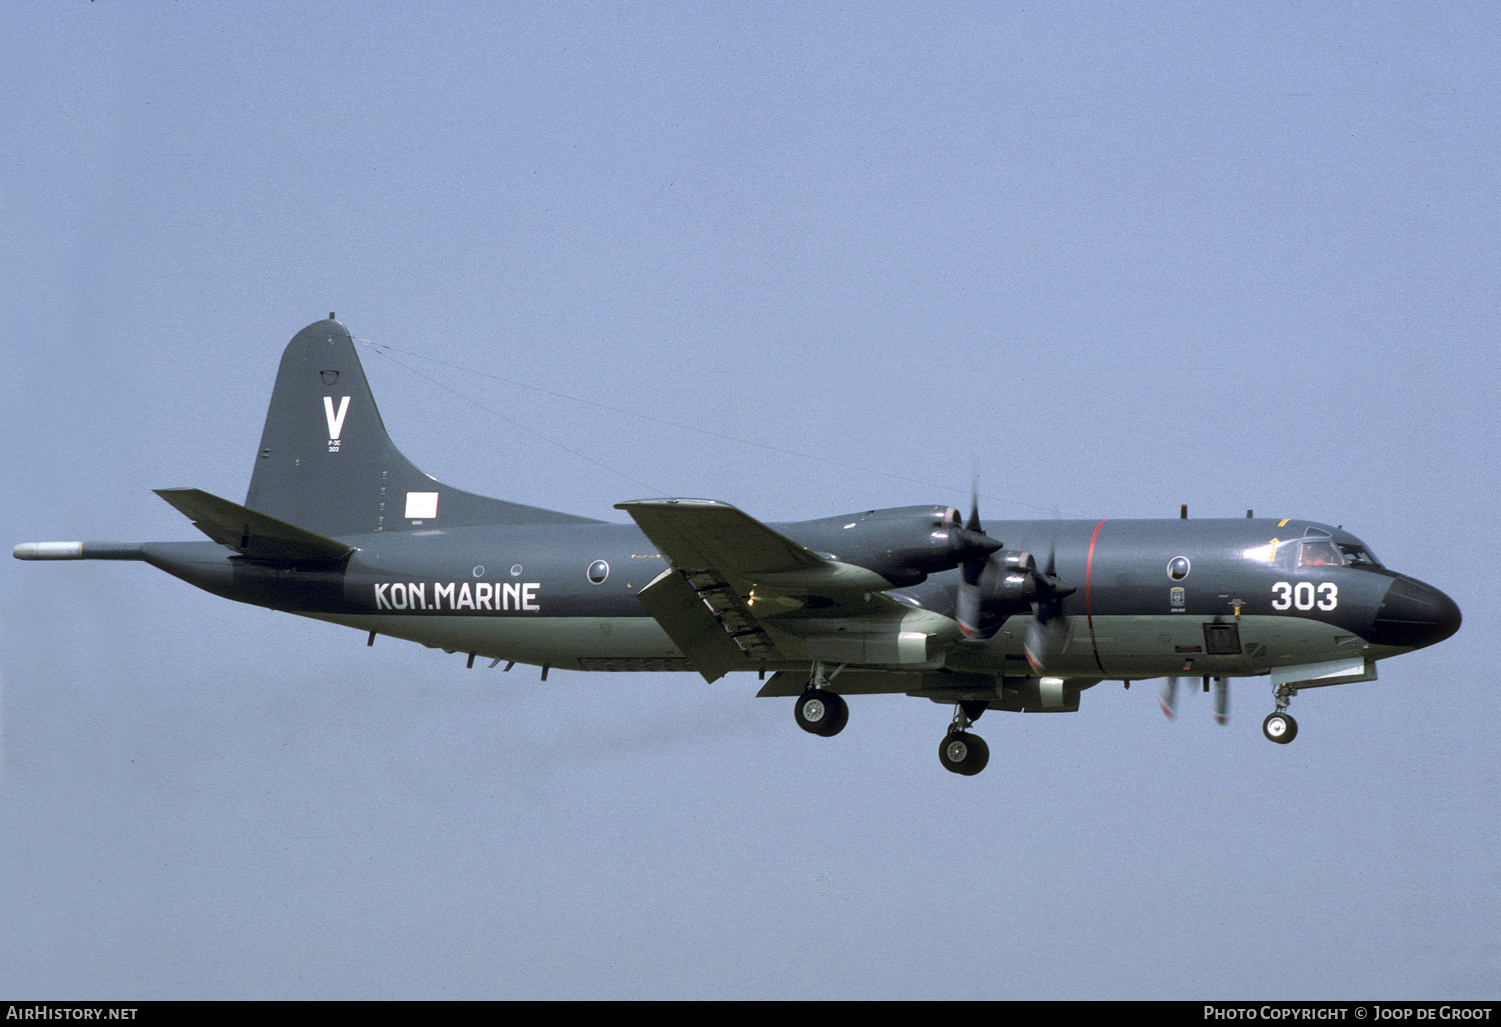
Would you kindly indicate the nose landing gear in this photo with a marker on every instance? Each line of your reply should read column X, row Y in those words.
column 1279, row 726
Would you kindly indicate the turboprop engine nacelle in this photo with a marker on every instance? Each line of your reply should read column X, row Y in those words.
column 1009, row 582
column 903, row 544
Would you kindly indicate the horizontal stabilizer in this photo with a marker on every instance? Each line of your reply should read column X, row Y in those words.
column 252, row 534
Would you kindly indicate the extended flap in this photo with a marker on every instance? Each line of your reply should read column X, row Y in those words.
column 690, row 624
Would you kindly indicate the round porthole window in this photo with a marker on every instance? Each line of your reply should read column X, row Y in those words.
column 1177, row 568
column 599, row 571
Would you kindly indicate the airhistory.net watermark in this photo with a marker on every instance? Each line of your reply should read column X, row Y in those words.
column 45, row 1011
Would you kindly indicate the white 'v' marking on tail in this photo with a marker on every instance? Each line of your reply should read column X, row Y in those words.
column 335, row 421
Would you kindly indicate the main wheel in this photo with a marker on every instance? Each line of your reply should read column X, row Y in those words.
column 963, row 753
column 841, row 716
column 1279, row 728
column 821, row 713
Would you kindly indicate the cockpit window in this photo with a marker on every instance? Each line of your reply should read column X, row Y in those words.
column 1314, row 549
column 1319, row 554
column 1277, row 552
column 1290, row 554
column 1283, row 553
column 1358, row 556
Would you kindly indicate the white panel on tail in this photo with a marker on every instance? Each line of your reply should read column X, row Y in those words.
column 421, row 505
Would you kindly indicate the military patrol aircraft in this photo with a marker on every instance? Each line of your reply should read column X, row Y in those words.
column 1016, row 615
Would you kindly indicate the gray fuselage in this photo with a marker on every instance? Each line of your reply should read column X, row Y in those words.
column 1152, row 597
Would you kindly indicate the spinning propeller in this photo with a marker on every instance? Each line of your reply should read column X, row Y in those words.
column 998, row 585
column 1168, row 699
column 969, row 606
column 1047, row 609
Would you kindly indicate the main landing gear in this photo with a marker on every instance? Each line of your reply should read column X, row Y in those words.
column 822, row 712
column 819, row 711
column 1280, row 727
column 961, row 752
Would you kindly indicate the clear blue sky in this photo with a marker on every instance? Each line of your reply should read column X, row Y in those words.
column 1113, row 258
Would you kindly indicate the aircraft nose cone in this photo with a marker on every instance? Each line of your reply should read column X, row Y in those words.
column 1414, row 614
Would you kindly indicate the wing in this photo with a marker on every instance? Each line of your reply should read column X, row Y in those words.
column 739, row 595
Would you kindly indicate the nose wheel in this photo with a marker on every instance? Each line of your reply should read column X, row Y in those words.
column 1280, row 727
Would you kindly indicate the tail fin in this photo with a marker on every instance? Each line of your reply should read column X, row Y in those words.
column 327, row 465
